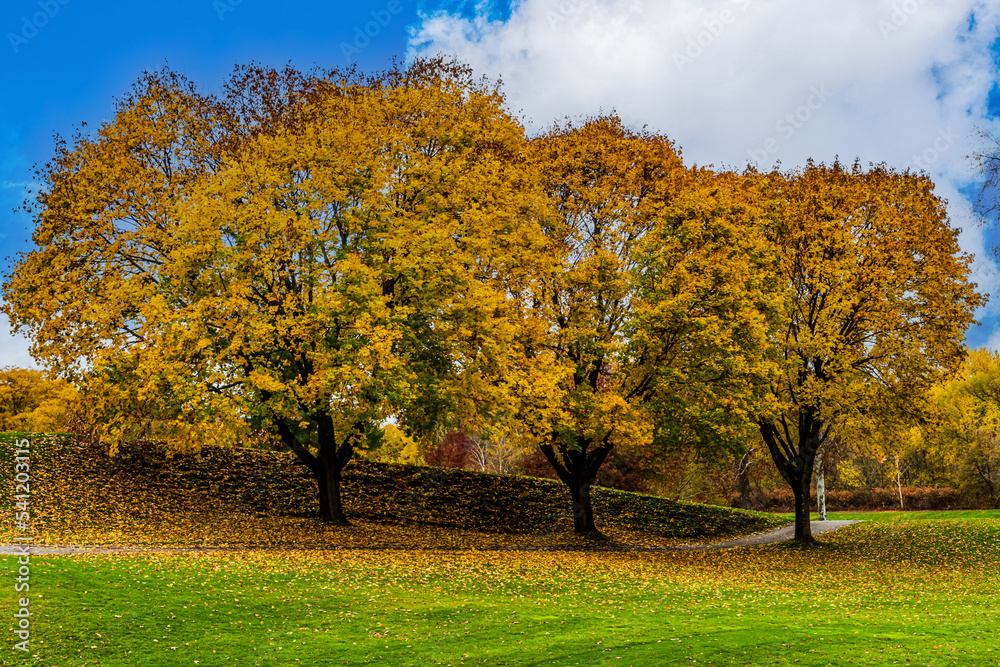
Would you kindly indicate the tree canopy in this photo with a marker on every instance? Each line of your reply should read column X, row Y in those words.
column 32, row 402
column 966, row 432
column 320, row 254
column 304, row 254
column 878, row 301
column 653, row 313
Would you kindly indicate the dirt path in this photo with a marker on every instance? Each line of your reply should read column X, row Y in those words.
column 779, row 535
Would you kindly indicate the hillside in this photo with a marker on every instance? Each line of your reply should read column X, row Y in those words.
column 261, row 498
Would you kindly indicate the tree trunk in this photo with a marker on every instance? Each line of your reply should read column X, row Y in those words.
column 743, row 481
column 327, row 470
column 583, row 512
column 820, row 489
column 324, row 494
column 328, row 466
column 899, row 483
column 803, row 527
column 795, row 464
column 578, row 469
column 335, row 509
column 986, row 474
column 332, row 459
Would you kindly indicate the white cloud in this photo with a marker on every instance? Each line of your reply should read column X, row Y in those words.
column 722, row 77
column 993, row 342
column 13, row 347
column 733, row 81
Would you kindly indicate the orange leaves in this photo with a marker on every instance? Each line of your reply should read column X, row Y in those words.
column 324, row 252
column 605, row 185
column 877, row 301
column 879, row 292
column 303, row 245
column 659, row 305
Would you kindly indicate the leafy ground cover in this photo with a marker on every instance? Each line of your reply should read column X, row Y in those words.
column 912, row 591
column 242, row 497
column 901, row 588
column 908, row 517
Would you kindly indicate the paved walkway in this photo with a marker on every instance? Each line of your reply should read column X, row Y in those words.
column 779, row 535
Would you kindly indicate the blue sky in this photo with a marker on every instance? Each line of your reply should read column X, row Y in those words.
column 71, row 70
column 732, row 81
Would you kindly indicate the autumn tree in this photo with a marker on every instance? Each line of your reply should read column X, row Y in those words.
column 986, row 158
column 966, row 435
column 502, row 454
column 878, row 301
column 454, row 451
column 391, row 445
column 652, row 314
column 31, row 401
column 302, row 253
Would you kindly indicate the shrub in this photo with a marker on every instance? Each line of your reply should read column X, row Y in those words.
column 914, row 498
column 453, row 452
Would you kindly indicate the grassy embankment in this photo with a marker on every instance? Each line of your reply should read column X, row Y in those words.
column 241, row 497
column 910, row 588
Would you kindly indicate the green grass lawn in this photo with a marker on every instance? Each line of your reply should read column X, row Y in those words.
column 451, row 568
column 928, row 515
column 901, row 589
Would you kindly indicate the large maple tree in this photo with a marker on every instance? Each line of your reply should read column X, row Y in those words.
column 877, row 302
column 655, row 314
column 303, row 253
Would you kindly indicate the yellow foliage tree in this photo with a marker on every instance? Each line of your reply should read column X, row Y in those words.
column 878, row 301
column 966, row 435
column 306, row 254
column 652, row 317
column 32, row 402
column 394, row 446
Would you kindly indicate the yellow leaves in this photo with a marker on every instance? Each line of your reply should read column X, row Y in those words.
column 396, row 447
column 32, row 402
column 396, row 247
column 653, row 291
column 965, row 434
column 323, row 255
column 265, row 382
column 232, row 496
column 871, row 265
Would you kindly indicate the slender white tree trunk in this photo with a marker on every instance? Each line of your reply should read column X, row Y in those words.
column 480, row 451
column 820, row 489
column 899, row 482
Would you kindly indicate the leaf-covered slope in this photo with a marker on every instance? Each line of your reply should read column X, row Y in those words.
column 245, row 496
